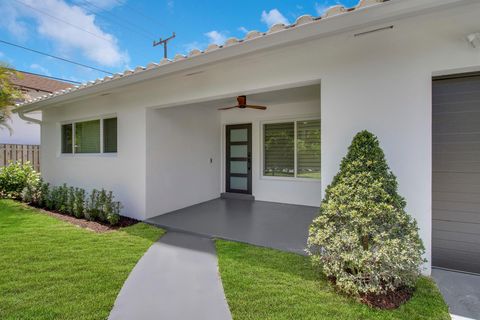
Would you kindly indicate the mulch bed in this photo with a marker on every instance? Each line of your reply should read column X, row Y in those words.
column 390, row 300
column 91, row 225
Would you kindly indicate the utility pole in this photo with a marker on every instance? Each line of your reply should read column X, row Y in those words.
column 164, row 43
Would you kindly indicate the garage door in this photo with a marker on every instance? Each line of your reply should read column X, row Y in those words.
column 456, row 174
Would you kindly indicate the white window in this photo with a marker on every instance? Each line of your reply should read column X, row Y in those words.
column 292, row 149
column 92, row 136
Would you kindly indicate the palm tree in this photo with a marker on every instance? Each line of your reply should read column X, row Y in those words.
column 8, row 95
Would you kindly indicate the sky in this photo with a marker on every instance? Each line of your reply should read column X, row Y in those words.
column 115, row 35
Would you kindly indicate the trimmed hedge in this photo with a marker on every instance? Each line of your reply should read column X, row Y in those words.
column 19, row 181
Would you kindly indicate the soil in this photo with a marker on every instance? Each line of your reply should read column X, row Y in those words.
column 390, row 300
column 91, row 225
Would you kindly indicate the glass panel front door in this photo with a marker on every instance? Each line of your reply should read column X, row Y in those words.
column 239, row 158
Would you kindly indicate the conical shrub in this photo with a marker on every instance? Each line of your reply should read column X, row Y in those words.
column 363, row 239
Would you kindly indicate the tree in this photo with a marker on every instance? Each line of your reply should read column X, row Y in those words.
column 8, row 94
column 363, row 239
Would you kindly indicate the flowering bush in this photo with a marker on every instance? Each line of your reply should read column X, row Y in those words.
column 15, row 177
column 363, row 239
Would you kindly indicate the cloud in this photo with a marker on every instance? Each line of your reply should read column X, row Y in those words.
column 273, row 17
column 192, row 45
column 320, row 8
column 243, row 29
column 81, row 34
column 10, row 22
column 104, row 4
column 170, row 5
column 216, row 37
column 42, row 70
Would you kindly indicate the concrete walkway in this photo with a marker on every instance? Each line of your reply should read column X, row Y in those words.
column 461, row 292
column 177, row 278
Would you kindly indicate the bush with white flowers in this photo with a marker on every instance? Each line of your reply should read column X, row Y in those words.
column 363, row 239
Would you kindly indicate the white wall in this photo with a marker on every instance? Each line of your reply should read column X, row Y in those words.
column 123, row 173
column 276, row 189
column 183, row 158
column 23, row 132
column 380, row 82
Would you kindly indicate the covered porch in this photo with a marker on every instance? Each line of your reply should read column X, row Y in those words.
column 197, row 150
column 269, row 224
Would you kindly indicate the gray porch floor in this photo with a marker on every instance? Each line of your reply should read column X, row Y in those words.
column 274, row 225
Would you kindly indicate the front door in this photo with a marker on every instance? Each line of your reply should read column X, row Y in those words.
column 239, row 158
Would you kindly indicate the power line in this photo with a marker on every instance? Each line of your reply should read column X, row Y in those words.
column 121, row 21
column 48, row 77
column 138, row 11
column 55, row 57
column 64, row 21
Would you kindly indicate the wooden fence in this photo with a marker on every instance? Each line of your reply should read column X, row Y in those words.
column 20, row 152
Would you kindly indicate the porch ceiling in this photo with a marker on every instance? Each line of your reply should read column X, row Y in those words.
column 269, row 97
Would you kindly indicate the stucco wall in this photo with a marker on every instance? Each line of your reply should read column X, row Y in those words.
column 123, row 173
column 380, row 82
column 183, row 158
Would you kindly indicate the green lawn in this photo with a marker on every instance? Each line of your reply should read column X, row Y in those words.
column 50, row 269
column 262, row 283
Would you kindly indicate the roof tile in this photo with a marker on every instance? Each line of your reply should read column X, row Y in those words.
column 302, row 20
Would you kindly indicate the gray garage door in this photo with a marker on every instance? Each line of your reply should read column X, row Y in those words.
column 456, row 173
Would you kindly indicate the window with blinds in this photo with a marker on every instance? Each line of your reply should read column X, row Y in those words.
column 292, row 149
column 308, row 149
column 88, row 136
column 279, row 149
column 110, row 135
column 67, row 138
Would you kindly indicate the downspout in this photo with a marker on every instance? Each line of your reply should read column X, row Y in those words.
column 26, row 118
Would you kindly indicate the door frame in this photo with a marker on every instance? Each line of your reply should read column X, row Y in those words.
column 227, row 144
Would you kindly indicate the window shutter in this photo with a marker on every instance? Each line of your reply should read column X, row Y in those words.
column 279, row 149
column 110, row 135
column 87, row 137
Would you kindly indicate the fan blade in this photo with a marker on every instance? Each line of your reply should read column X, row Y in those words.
column 256, row 107
column 227, row 108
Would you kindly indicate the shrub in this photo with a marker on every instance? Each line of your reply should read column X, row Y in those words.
column 92, row 210
column 70, row 201
column 15, row 177
column 20, row 181
column 32, row 193
column 101, row 206
column 363, row 239
column 79, row 203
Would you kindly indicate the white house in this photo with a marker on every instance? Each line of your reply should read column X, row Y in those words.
column 155, row 136
column 32, row 86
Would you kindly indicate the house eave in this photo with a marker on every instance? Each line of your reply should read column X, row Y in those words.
column 360, row 19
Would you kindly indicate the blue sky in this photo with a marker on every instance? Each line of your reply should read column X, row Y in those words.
column 114, row 35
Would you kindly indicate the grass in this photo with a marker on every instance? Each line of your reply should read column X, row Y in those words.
column 263, row 283
column 50, row 269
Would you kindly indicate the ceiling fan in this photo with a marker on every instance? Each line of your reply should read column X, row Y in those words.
column 242, row 104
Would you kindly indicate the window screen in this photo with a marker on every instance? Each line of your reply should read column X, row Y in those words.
column 87, row 137
column 308, row 149
column 67, row 138
column 110, row 135
column 279, row 149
